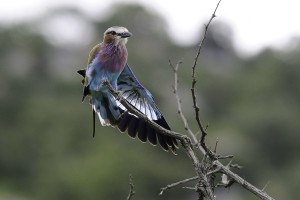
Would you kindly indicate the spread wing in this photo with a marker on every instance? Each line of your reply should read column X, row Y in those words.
column 138, row 96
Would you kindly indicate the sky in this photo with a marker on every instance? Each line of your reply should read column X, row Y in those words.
column 256, row 24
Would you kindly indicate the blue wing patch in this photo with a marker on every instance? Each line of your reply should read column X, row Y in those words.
column 138, row 96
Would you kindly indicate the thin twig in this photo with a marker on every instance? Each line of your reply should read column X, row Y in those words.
column 176, row 81
column 215, row 170
column 220, row 157
column 189, row 188
column 265, row 186
column 131, row 187
column 259, row 193
column 162, row 190
column 236, row 166
column 216, row 145
column 195, row 105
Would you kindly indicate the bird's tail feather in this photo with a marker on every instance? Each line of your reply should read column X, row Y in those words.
column 137, row 127
column 106, row 108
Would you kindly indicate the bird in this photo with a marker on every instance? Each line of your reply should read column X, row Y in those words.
column 107, row 61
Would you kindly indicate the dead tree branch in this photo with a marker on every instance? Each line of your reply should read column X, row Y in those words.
column 176, row 81
column 194, row 80
column 226, row 170
column 236, row 178
column 131, row 187
column 177, row 183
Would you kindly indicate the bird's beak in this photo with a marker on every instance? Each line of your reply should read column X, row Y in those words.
column 125, row 34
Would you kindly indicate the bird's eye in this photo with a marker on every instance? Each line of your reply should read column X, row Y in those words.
column 112, row 32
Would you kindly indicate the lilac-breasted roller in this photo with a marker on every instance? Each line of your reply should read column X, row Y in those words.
column 108, row 61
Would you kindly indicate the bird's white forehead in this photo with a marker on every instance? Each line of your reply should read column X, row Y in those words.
column 117, row 29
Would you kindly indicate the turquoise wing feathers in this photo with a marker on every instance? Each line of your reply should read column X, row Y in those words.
column 139, row 97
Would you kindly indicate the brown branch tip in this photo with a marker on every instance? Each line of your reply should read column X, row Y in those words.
column 131, row 187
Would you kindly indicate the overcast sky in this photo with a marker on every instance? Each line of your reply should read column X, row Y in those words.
column 255, row 23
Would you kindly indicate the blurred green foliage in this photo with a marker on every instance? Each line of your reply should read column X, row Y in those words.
column 46, row 146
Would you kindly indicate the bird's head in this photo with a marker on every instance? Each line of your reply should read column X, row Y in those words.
column 117, row 35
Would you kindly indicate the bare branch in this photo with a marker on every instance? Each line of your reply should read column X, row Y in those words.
column 203, row 148
column 176, row 81
column 236, row 166
column 217, row 169
column 195, row 105
column 216, row 145
column 219, row 157
column 265, row 186
column 177, row 183
column 131, row 191
column 260, row 193
column 236, row 178
column 189, row 188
